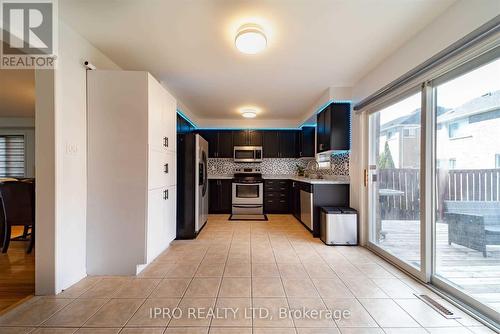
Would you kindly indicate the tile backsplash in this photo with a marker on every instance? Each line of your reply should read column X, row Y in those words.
column 339, row 165
column 222, row 166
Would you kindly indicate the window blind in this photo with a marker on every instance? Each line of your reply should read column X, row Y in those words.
column 12, row 155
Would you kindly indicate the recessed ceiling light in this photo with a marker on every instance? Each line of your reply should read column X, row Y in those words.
column 250, row 39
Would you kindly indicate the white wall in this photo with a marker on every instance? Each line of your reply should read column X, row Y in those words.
column 45, row 267
column 460, row 19
column 61, row 242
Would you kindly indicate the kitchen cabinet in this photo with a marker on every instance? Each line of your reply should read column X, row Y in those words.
column 276, row 196
column 279, row 144
column 212, row 137
column 131, row 164
column 334, row 128
column 183, row 126
column 288, row 143
column 220, row 196
column 270, row 144
column 161, row 205
column 220, row 143
column 247, row 138
column 295, row 199
column 321, row 195
column 306, row 142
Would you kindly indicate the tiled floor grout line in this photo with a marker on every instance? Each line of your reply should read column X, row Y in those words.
column 363, row 306
column 222, row 277
column 251, row 276
column 315, row 288
column 354, row 295
column 145, row 300
column 280, row 239
column 281, row 279
column 162, row 278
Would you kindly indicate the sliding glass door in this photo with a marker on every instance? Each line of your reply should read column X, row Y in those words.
column 394, row 179
column 467, row 160
column 449, row 232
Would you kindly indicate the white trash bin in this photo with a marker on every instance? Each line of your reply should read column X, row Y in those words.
column 339, row 226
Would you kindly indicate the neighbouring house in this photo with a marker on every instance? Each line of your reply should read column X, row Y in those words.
column 478, row 118
column 468, row 136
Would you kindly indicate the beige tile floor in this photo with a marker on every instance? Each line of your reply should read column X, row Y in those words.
column 238, row 266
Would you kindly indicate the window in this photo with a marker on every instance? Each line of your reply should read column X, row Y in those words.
column 452, row 164
column 410, row 133
column 12, row 156
column 497, row 160
column 457, row 129
column 323, row 160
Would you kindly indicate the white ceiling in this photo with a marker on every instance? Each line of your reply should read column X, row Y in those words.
column 17, row 93
column 312, row 45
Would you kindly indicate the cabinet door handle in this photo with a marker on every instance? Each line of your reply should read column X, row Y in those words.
column 165, row 141
column 166, row 168
column 165, row 194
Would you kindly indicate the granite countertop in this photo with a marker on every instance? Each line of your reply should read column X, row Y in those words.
column 326, row 180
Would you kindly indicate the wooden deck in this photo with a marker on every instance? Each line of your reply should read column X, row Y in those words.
column 464, row 267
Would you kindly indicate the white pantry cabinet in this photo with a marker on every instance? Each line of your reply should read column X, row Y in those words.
column 131, row 214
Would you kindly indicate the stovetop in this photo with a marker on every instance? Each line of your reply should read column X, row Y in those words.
column 248, row 175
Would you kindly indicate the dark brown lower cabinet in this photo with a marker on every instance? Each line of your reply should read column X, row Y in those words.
column 219, row 196
column 295, row 199
column 277, row 196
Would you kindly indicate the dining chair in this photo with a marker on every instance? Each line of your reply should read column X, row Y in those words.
column 18, row 203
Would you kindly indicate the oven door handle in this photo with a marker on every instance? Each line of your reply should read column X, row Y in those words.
column 247, row 206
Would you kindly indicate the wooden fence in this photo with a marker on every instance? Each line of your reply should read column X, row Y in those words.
column 399, row 189
column 399, row 193
column 472, row 185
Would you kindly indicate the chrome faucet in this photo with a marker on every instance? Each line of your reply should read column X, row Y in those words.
column 311, row 170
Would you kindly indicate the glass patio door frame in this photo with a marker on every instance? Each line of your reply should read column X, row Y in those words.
column 424, row 272
column 472, row 304
column 428, row 181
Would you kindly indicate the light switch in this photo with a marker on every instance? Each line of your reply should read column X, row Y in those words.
column 71, row 149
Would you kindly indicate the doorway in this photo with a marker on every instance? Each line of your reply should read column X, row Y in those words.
column 17, row 185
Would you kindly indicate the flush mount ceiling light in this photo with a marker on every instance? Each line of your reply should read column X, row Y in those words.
column 250, row 39
column 248, row 113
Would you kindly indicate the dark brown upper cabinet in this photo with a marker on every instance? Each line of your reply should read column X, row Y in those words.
column 306, row 142
column 220, row 143
column 247, row 138
column 270, row 144
column 334, row 128
column 279, row 143
column 288, row 143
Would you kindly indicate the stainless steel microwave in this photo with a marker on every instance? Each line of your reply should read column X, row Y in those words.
column 247, row 154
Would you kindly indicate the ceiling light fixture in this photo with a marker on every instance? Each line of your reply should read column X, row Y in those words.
column 250, row 39
column 248, row 113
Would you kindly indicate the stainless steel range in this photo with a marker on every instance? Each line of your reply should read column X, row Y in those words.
column 248, row 192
